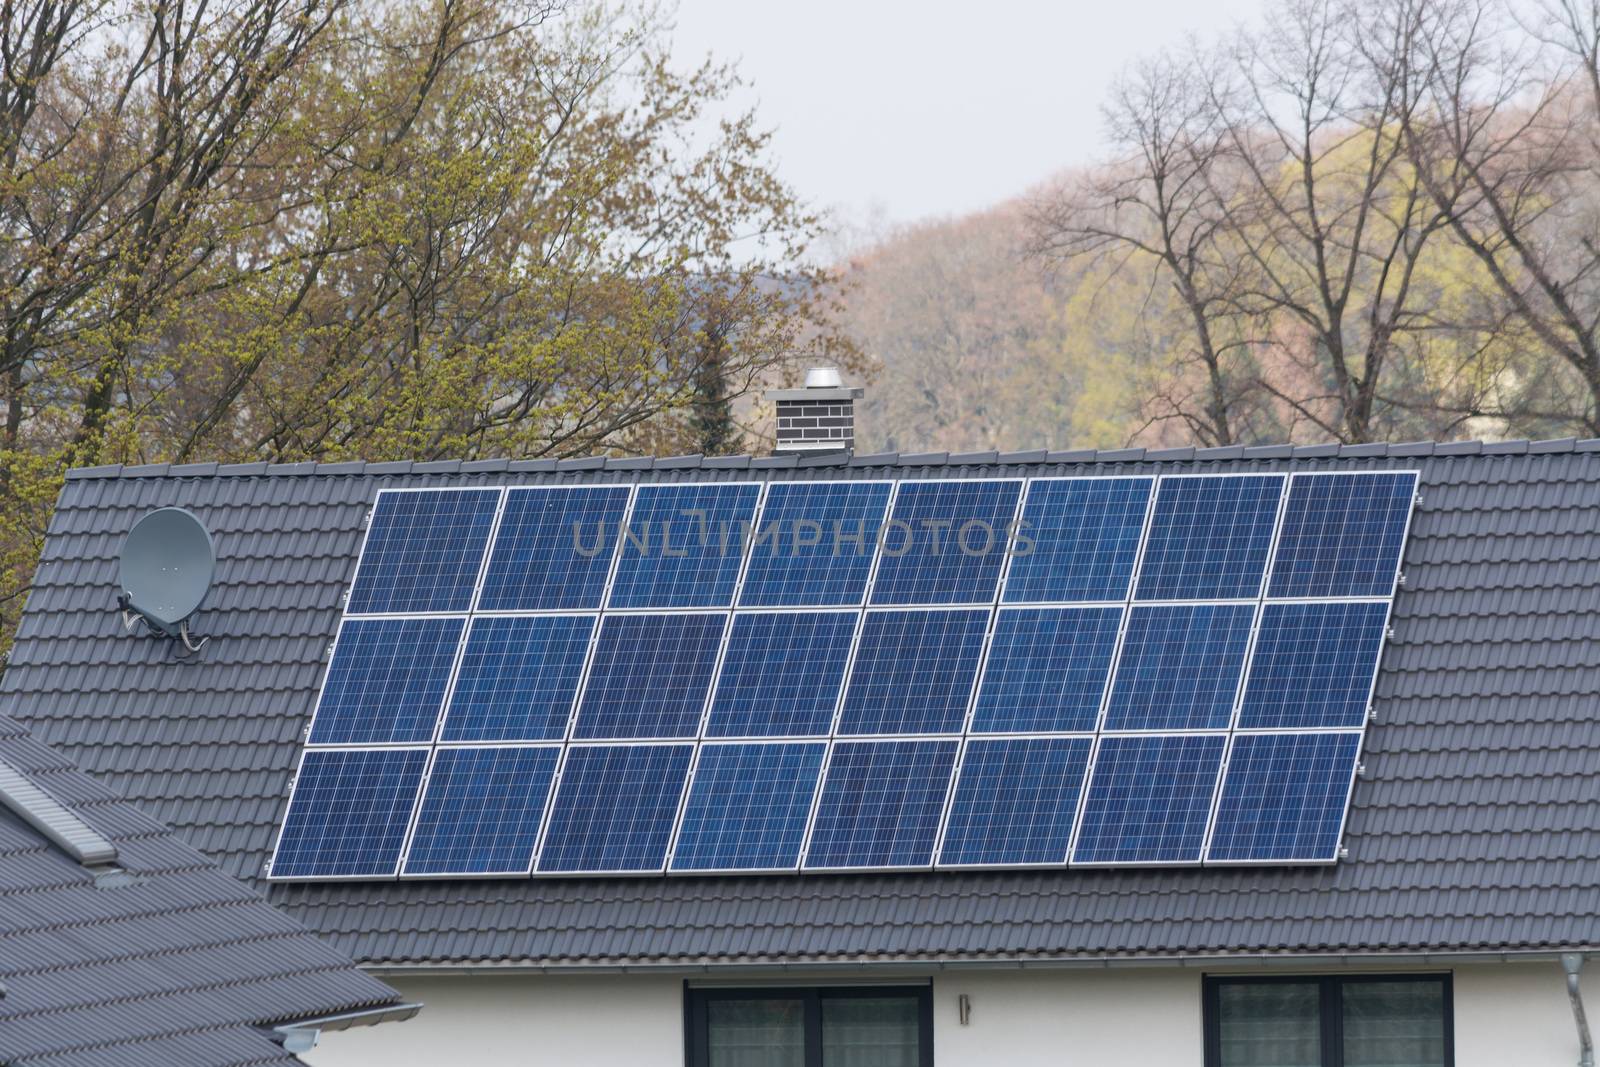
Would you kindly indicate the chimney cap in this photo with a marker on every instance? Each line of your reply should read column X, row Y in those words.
column 822, row 383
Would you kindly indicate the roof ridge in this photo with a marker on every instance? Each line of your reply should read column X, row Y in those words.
column 1187, row 454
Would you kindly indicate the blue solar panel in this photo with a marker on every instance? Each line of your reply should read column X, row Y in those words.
column 1047, row 670
column 386, row 681
column 1342, row 535
column 748, row 806
column 518, row 678
column 1313, row 665
column 1015, row 801
column 1209, row 538
column 913, row 672
column 1284, row 797
column 613, row 619
column 423, row 551
column 553, row 549
column 615, row 807
column 781, row 674
column 349, row 813
column 881, row 803
column 1078, row 539
column 814, row 543
column 1180, row 667
column 682, row 546
column 650, row 676
column 1149, row 799
column 946, row 542
column 481, row 811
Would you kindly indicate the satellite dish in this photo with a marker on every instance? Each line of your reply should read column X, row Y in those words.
column 166, row 568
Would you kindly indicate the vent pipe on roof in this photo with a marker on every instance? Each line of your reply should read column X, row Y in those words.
column 818, row 419
column 1572, row 963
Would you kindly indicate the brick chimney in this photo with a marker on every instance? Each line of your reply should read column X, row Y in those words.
column 820, row 418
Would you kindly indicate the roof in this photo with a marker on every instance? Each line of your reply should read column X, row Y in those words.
column 1476, row 827
column 121, row 945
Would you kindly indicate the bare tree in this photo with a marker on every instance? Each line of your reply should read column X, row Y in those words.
column 1508, row 148
column 1159, row 211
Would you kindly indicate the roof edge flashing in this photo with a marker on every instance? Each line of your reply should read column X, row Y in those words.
column 58, row 824
column 911, row 965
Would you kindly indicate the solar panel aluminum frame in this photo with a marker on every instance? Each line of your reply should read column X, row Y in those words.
column 876, row 547
column 332, row 655
column 294, row 783
column 1005, row 541
column 631, row 490
column 1116, row 665
column 982, row 670
column 688, row 787
column 623, row 532
column 366, row 537
column 717, row 675
column 555, row 795
column 1372, row 682
column 422, row 793
column 822, row 781
column 1133, row 573
column 1144, row 536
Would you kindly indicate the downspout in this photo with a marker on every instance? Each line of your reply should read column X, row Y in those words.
column 1572, row 963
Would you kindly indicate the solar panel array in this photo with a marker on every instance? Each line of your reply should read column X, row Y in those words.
column 821, row 675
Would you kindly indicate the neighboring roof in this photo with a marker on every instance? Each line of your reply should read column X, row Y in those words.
column 147, row 955
column 1475, row 829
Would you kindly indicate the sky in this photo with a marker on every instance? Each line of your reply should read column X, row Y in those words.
column 895, row 111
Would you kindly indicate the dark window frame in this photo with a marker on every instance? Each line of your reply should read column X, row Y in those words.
column 696, row 1016
column 1330, row 1003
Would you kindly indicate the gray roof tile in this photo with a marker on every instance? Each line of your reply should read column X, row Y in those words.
column 175, row 963
column 1476, row 828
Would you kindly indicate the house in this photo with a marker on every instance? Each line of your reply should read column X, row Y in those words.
column 121, row 945
column 1450, row 926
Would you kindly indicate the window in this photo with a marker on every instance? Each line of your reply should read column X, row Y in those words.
column 1399, row 1020
column 859, row 1026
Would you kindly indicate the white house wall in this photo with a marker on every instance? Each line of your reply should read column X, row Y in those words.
column 1504, row 1014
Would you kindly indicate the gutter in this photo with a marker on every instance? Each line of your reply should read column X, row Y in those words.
column 1572, row 963
column 302, row 1035
column 1269, row 961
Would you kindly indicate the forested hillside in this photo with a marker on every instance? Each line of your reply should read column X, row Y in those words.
column 1357, row 222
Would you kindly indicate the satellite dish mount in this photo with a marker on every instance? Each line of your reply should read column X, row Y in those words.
column 166, row 569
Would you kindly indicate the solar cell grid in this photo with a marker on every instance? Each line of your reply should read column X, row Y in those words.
column 913, row 672
column 1014, row 802
column 423, row 551
column 386, row 681
column 553, row 548
column 650, row 676
column 349, row 813
column 481, row 810
column 1313, row 665
column 1180, row 667
column 815, row 545
column 614, row 808
column 881, row 803
column 1342, row 534
column 1284, row 797
column 781, row 674
column 1149, row 799
column 945, row 542
column 1077, row 540
column 1046, row 670
column 1209, row 537
column 518, row 678
column 747, row 807
column 1060, row 646
column 682, row 546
